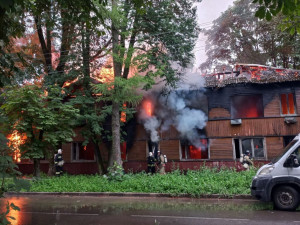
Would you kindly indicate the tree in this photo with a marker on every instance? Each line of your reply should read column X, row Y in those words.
column 44, row 119
column 149, row 36
column 290, row 9
column 237, row 36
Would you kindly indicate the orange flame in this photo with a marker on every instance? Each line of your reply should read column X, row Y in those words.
column 123, row 114
column 15, row 140
column 148, row 108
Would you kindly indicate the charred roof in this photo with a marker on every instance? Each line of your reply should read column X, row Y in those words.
column 251, row 73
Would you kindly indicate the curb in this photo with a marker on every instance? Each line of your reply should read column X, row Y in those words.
column 128, row 194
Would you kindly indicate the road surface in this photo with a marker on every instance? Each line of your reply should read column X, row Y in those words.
column 59, row 210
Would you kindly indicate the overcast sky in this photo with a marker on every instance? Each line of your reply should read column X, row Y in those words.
column 207, row 10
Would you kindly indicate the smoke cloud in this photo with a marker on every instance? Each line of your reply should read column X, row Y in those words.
column 183, row 108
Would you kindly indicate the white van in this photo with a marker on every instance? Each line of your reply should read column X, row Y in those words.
column 279, row 181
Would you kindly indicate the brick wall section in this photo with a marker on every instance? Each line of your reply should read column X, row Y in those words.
column 273, row 108
column 221, row 148
column 274, row 146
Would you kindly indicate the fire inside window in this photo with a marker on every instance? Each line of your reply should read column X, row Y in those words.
column 246, row 106
column 287, row 104
column 81, row 152
column 189, row 151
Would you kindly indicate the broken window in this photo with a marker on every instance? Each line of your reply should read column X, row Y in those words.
column 287, row 104
column 246, row 106
column 81, row 152
column 256, row 147
column 189, row 151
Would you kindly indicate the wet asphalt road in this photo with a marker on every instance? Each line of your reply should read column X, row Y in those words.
column 75, row 210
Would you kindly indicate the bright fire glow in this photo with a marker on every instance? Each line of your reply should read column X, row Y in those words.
column 68, row 83
column 15, row 140
column 123, row 114
column 148, row 108
column 19, row 217
column 106, row 75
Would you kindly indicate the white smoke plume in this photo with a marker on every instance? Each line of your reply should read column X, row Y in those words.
column 181, row 109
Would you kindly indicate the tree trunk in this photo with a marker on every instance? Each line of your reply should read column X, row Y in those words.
column 99, row 158
column 36, row 167
column 50, row 159
column 115, row 154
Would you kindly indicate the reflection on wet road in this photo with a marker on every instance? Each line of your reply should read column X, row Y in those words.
column 133, row 210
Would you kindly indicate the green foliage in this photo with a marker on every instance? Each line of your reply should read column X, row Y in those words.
column 290, row 9
column 45, row 119
column 237, row 36
column 225, row 182
column 8, row 180
column 4, row 217
column 115, row 173
column 120, row 90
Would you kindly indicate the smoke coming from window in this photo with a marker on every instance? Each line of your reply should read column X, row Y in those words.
column 184, row 108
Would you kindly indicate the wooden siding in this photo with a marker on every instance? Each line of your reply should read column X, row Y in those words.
column 273, row 108
column 252, row 127
column 140, row 133
column 274, row 146
column 221, row 148
column 104, row 151
column 171, row 133
column 297, row 100
column 137, row 151
column 218, row 113
column 170, row 148
column 67, row 152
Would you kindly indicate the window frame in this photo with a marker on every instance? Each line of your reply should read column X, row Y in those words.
column 287, row 102
column 186, row 148
column 77, row 153
column 246, row 95
column 252, row 147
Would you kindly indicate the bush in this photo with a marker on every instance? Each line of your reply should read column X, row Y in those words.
column 226, row 182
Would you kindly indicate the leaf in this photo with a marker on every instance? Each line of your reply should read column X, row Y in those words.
column 268, row 16
column 14, row 207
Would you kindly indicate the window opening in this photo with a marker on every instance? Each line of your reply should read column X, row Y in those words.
column 246, row 106
column 189, row 151
column 287, row 104
column 82, row 153
column 237, row 148
column 254, row 145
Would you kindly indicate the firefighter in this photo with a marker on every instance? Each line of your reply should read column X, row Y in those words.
column 151, row 163
column 247, row 161
column 161, row 162
column 59, row 162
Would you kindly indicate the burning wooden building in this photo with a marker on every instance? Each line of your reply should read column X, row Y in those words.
column 253, row 108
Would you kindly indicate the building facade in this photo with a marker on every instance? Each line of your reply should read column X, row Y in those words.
column 254, row 108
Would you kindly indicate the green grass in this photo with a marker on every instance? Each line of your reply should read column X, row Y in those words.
column 224, row 182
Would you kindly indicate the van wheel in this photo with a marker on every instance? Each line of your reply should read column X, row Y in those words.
column 286, row 198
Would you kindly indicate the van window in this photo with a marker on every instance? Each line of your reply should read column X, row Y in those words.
column 284, row 151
